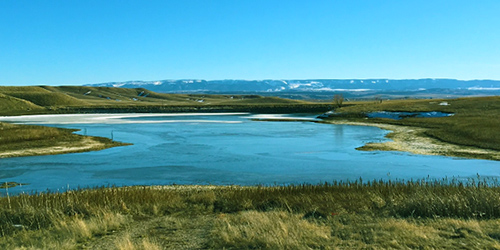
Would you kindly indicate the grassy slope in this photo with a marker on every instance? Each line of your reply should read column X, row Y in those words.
column 342, row 215
column 476, row 121
column 15, row 105
column 69, row 99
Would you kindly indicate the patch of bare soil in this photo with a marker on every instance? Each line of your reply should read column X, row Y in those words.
column 413, row 140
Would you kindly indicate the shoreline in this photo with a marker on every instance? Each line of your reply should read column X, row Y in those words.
column 411, row 139
column 87, row 144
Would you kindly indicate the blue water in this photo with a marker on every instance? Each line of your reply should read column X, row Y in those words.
column 229, row 149
column 401, row 115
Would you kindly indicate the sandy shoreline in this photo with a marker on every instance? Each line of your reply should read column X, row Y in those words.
column 411, row 139
column 85, row 145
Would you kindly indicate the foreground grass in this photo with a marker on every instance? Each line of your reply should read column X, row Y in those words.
column 377, row 215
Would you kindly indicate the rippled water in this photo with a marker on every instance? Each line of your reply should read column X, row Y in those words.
column 222, row 149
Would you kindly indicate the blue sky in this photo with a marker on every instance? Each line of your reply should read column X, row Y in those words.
column 78, row 42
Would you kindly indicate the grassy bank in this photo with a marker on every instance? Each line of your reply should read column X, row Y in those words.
column 376, row 215
column 475, row 121
column 26, row 140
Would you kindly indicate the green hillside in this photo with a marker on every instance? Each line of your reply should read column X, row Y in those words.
column 16, row 105
column 48, row 99
column 69, row 99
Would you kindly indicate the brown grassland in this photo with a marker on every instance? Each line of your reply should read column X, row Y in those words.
column 421, row 214
column 375, row 215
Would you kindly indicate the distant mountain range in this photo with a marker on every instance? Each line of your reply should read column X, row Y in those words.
column 322, row 88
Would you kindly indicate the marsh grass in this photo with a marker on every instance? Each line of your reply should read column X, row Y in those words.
column 343, row 214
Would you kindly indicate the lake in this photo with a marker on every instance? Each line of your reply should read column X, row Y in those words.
column 223, row 149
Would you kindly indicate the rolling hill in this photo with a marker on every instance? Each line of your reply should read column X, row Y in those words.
column 77, row 99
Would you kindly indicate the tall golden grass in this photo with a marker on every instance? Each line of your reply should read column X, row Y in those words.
column 420, row 214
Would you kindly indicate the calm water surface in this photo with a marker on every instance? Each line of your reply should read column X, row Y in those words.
column 223, row 149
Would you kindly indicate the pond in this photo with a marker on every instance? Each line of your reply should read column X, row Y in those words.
column 223, row 149
column 401, row 115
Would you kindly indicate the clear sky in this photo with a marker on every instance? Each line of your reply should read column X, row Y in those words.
column 68, row 42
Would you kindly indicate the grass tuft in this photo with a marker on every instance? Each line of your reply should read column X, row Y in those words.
column 268, row 230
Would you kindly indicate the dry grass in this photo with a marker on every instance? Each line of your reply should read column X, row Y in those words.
column 377, row 215
column 126, row 243
column 267, row 230
column 65, row 233
column 396, row 233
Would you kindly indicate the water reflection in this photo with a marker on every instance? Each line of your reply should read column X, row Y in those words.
column 339, row 133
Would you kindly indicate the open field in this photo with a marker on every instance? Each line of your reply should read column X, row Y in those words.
column 376, row 215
